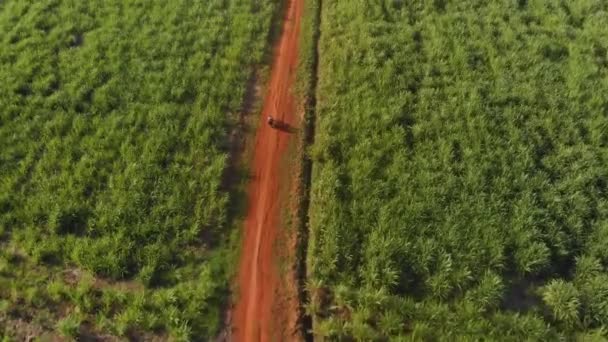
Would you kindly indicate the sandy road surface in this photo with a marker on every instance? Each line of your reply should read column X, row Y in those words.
column 254, row 317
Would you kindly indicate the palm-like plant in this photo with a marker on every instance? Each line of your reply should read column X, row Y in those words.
column 563, row 300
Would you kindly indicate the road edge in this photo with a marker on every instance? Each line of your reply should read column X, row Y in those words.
column 306, row 88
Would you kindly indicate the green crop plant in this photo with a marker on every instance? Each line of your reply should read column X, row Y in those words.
column 114, row 122
column 459, row 171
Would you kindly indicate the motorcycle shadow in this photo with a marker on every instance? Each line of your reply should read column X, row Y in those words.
column 285, row 127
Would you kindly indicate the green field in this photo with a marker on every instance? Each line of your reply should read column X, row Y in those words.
column 460, row 186
column 114, row 122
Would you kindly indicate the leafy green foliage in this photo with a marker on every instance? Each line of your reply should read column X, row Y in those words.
column 460, row 170
column 69, row 326
column 113, row 130
column 562, row 298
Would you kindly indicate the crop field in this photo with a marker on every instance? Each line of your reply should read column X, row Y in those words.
column 460, row 187
column 114, row 122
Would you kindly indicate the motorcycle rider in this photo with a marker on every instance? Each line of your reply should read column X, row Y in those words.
column 271, row 121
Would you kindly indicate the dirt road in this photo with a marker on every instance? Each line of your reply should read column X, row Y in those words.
column 255, row 317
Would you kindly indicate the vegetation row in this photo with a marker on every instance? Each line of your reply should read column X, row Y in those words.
column 460, row 188
column 114, row 121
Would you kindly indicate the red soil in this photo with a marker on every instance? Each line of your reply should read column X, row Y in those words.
column 259, row 279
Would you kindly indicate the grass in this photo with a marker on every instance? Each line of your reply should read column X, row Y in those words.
column 113, row 126
column 306, row 85
column 459, row 182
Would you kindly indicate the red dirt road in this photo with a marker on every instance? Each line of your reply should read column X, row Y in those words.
column 253, row 317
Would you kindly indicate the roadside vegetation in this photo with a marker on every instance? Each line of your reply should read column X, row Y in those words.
column 114, row 121
column 306, row 86
column 460, row 187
